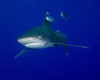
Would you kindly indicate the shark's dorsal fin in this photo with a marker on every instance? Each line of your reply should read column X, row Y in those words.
column 46, row 23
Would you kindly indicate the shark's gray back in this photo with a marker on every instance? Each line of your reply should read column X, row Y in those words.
column 46, row 33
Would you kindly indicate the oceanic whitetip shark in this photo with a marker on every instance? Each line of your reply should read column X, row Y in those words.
column 43, row 37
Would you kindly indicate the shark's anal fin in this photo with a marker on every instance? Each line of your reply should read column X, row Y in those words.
column 22, row 52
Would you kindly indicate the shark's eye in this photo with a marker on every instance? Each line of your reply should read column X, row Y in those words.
column 39, row 37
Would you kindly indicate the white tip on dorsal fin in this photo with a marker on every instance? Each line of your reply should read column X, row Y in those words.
column 46, row 23
column 47, row 13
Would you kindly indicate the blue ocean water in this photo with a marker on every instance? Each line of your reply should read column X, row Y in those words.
column 18, row 16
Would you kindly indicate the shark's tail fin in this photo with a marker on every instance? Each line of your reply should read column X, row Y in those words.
column 21, row 53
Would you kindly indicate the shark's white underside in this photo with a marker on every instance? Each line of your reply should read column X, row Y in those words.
column 35, row 42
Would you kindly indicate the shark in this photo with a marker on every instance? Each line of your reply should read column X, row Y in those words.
column 43, row 37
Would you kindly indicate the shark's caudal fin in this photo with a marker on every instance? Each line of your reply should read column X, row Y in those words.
column 22, row 52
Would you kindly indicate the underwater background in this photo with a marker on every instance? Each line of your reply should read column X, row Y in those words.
column 18, row 16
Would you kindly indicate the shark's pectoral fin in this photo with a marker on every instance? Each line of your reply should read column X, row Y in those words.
column 65, row 45
column 22, row 52
column 62, row 44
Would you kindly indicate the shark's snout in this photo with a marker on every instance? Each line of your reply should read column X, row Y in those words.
column 35, row 42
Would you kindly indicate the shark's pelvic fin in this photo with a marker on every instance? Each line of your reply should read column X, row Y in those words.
column 72, row 45
column 22, row 52
column 65, row 45
column 66, row 50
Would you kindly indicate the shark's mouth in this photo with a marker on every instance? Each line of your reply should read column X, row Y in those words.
column 35, row 42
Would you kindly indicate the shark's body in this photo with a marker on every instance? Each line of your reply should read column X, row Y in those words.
column 42, row 37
